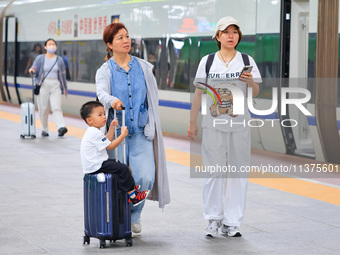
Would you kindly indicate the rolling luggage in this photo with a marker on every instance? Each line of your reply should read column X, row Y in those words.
column 107, row 212
column 28, row 118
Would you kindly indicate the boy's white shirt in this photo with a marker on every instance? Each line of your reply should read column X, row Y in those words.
column 93, row 150
column 218, row 77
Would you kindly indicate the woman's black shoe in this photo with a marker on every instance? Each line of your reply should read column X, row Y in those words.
column 62, row 131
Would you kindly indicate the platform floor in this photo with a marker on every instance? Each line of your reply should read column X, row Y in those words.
column 41, row 204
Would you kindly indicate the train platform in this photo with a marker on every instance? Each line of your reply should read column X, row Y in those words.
column 41, row 203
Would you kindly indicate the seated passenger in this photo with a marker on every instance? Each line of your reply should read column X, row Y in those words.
column 94, row 157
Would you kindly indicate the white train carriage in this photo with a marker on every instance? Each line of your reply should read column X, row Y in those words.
column 174, row 35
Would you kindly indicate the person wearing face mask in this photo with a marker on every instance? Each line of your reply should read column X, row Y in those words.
column 50, row 74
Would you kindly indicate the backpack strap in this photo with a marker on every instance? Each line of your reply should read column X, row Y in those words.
column 245, row 58
column 209, row 63
column 211, row 56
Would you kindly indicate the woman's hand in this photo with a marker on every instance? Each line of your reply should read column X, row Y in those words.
column 246, row 77
column 31, row 71
column 117, row 104
column 192, row 131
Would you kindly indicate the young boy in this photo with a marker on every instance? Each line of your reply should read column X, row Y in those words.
column 94, row 157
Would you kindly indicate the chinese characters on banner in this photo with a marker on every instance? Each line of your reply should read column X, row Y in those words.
column 87, row 26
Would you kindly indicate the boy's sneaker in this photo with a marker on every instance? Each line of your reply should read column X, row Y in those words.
column 230, row 231
column 140, row 196
column 212, row 228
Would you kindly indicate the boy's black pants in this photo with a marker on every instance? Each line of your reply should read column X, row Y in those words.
column 122, row 171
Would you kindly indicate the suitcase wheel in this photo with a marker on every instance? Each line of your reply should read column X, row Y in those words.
column 128, row 241
column 102, row 244
column 22, row 136
column 86, row 239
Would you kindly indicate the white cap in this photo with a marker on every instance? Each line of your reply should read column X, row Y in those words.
column 225, row 22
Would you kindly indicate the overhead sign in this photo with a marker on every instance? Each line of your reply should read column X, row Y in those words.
column 78, row 27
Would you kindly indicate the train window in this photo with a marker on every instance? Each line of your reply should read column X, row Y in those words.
column 66, row 52
column 136, row 49
column 207, row 46
column 152, row 51
column 83, row 58
column 171, row 66
column 28, row 51
column 10, row 58
column 178, row 78
column 87, row 58
column 311, row 55
column 265, row 49
column 266, row 54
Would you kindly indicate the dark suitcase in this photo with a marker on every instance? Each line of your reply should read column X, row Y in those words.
column 107, row 212
column 28, row 118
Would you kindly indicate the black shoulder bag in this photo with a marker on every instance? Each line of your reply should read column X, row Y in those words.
column 37, row 87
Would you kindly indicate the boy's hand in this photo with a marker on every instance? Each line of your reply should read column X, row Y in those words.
column 124, row 131
column 114, row 123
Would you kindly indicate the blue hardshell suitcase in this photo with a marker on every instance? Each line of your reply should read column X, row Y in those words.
column 107, row 212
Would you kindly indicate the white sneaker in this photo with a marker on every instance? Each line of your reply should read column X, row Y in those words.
column 136, row 227
column 212, row 228
column 230, row 231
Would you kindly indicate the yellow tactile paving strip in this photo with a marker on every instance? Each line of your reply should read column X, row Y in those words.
column 292, row 185
column 72, row 131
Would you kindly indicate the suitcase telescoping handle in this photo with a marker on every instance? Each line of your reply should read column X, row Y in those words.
column 32, row 88
column 123, row 125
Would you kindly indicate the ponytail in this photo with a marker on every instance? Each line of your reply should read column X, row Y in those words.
column 108, row 53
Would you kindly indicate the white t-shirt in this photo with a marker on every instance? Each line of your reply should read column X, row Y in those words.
column 93, row 150
column 221, row 116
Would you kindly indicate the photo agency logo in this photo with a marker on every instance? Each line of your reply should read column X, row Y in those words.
column 229, row 99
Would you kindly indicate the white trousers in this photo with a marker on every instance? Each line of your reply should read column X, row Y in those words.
column 50, row 93
column 224, row 195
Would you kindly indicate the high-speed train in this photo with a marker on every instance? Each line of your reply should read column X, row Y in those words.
column 174, row 35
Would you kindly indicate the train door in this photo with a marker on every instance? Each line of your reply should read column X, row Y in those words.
column 294, row 34
column 11, row 55
column 298, row 75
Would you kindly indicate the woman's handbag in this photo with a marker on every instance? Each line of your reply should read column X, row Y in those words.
column 37, row 87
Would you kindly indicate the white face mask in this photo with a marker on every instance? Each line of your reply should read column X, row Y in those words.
column 51, row 49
